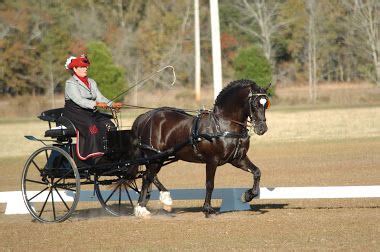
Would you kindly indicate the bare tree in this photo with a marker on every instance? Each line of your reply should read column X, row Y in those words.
column 311, row 49
column 367, row 20
column 121, row 14
column 260, row 21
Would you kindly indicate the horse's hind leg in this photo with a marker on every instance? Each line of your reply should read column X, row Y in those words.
column 165, row 197
column 246, row 165
column 147, row 180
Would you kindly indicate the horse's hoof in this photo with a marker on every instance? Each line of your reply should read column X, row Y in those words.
column 166, row 199
column 141, row 212
column 248, row 195
column 208, row 211
column 244, row 197
column 167, row 208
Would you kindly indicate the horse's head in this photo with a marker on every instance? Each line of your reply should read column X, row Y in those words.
column 242, row 99
column 258, row 102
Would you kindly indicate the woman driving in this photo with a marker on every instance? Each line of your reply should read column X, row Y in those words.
column 82, row 98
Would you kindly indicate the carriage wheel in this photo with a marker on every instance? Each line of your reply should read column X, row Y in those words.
column 116, row 194
column 50, row 184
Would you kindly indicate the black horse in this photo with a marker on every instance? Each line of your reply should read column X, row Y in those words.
column 213, row 137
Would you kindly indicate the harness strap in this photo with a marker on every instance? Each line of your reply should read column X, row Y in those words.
column 226, row 134
column 194, row 130
column 196, row 137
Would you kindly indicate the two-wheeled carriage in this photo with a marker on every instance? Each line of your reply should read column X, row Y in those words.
column 53, row 175
column 160, row 136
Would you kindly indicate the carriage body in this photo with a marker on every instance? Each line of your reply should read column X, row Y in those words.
column 55, row 173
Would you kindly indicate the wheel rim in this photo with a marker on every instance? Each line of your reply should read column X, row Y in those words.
column 50, row 184
column 116, row 194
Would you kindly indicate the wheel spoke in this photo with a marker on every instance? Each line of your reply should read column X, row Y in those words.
column 62, row 186
column 111, row 194
column 64, row 202
column 35, row 181
column 43, row 207
column 119, row 197
column 38, row 168
column 133, row 186
column 63, row 177
column 52, row 202
column 129, row 196
column 47, row 157
column 38, row 194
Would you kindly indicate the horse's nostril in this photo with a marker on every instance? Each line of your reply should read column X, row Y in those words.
column 262, row 128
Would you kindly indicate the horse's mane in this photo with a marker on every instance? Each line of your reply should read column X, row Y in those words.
column 235, row 85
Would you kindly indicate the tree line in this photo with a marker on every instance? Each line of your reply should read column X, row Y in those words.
column 301, row 40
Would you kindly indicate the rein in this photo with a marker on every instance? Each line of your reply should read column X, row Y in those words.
column 140, row 82
column 243, row 124
column 129, row 106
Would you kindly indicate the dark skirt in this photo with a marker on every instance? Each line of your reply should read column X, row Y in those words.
column 91, row 126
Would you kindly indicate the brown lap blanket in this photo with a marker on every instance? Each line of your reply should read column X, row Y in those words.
column 91, row 128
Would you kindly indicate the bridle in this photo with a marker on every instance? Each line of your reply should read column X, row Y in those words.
column 252, row 97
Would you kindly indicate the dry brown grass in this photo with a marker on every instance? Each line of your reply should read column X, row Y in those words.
column 284, row 126
column 330, row 94
column 296, row 96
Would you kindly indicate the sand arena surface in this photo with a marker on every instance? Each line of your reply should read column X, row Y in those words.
column 302, row 148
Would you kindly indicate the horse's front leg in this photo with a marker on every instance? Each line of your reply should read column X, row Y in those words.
column 246, row 165
column 210, row 176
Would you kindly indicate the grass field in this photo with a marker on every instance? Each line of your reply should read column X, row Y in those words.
column 325, row 146
column 284, row 126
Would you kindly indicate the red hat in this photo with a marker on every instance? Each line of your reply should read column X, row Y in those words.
column 81, row 61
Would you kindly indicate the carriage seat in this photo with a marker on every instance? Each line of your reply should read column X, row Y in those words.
column 64, row 127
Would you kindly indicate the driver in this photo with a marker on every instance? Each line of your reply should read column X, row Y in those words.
column 82, row 98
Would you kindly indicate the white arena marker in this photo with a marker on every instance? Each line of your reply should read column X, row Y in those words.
column 15, row 203
column 328, row 192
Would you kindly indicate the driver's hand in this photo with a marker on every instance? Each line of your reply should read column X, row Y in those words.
column 117, row 105
column 102, row 105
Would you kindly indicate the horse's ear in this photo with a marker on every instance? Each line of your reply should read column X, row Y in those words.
column 266, row 89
